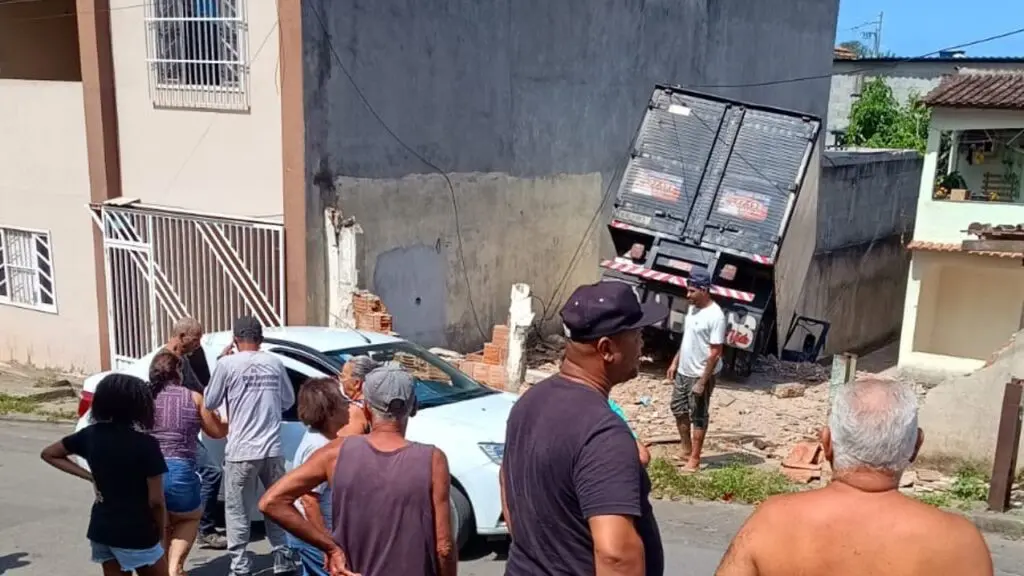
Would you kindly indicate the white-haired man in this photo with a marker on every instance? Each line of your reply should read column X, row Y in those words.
column 860, row 523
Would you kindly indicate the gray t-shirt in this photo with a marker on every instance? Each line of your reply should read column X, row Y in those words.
column 256, row 390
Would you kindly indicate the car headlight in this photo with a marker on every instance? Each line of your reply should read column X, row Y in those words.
column 494, row 450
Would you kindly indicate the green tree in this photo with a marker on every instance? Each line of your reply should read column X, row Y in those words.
column 878, row 120
column 855, row 46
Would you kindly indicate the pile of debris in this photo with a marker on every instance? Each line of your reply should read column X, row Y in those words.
column 489, row 365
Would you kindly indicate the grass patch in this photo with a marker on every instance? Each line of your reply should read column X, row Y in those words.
column 733, row 483
column 970, row 486
column 17, row 405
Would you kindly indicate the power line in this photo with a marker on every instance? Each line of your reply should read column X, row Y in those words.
column 418, row 156
column 872, row 69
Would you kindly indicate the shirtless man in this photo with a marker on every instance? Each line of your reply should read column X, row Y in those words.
column 860, row 524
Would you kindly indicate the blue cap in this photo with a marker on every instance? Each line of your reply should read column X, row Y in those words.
column 700, row 279
column 607, row 308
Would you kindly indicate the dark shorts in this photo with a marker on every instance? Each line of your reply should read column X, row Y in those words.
column 687, row 405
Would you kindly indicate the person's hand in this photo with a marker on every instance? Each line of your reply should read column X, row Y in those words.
column 228, row 350
column 96, row 491
column 699, row 386
column 336, row 564
column 670, row 374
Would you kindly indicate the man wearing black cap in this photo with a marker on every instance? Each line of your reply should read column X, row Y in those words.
column 574, row 493
column 695, row 366
column 255, row 388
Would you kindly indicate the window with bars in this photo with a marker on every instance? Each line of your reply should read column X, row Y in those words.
column 197, row 54
column 26, row 269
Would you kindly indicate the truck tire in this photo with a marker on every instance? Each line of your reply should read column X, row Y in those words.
column 461, row 512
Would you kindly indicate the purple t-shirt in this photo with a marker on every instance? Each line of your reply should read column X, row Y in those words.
column 568, row 458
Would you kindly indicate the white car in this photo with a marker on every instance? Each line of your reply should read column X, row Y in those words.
column 458, row 415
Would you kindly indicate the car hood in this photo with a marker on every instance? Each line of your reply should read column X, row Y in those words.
column 478, row 420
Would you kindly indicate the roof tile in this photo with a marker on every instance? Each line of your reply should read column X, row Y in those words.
column 1003, row 90
column 952, row 247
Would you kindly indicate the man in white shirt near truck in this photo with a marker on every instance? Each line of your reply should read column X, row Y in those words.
column 695, row 366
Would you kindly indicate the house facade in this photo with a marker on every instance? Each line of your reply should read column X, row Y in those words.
column 964, row 303
column 163, row 158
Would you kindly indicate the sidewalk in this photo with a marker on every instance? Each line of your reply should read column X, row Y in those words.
column 34, row 393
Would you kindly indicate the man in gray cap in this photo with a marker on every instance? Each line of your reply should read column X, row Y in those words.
column 695, row 366
column 255, row 388
column 391, row 493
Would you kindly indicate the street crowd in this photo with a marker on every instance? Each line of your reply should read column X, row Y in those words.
column 361, row 499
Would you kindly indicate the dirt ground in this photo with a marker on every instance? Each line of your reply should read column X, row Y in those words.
column 749, row 424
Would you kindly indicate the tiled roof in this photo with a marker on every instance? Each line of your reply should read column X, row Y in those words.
column 840, row 53
column 987, row 90
column 952, row 247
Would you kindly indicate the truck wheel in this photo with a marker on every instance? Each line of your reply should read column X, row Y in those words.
column 743, row 363
column 461, row 513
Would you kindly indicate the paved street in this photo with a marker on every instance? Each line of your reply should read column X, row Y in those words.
column 42, row 526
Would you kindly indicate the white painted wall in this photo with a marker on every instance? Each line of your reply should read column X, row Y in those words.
column 959, row 307
column 44, row 185
column 220, row 162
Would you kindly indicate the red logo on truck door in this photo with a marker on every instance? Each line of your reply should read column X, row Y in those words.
column 744, row 205
column 658, row 185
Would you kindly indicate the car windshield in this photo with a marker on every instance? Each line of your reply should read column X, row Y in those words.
column 437, row 382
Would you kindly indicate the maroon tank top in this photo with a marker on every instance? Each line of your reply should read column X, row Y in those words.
column 382, row 507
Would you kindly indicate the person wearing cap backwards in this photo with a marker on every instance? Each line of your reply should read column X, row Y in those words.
column 255, row 388
column 389, row 496
column 695, row 366
column 574, row 493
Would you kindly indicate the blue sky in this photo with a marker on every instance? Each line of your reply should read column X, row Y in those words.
column 914, row 27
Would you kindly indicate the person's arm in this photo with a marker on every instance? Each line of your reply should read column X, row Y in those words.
column 440, row 490
column 356, row 421
column 217, row 390
column 311, row 510
column 278, row 504
column 212, row 425
column 606, row 477
column 673, row 367
column 56, row 455
column 504, row 503
column 155, row 467
column 157, row 505
column 285, row 383
column 716, row 345
column 643, row 453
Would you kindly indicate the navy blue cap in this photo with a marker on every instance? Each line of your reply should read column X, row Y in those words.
column 699, row 279
column 607, row 308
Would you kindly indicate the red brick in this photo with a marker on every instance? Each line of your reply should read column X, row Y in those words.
column 491, row 354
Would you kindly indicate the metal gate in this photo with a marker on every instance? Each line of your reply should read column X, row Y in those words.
column 163, row 264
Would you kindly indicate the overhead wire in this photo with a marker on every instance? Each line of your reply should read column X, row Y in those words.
column 451, row 187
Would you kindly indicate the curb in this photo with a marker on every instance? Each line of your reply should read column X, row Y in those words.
column 1009, row 526
column 35, row 419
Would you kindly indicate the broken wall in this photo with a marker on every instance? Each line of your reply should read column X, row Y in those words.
column 528, row 107
column 857, row 280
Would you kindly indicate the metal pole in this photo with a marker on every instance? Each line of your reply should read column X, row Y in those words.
column 844, row 370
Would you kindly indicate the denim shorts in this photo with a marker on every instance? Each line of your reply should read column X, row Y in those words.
column 182, row 486
column 129, row 559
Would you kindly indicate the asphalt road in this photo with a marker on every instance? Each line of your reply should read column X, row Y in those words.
column 44, row 513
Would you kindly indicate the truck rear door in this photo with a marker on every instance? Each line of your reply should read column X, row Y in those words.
column 716, row 173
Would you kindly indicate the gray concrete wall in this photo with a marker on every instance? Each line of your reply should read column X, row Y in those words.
column 857, row 280
column 529, row 107
column 905, row 78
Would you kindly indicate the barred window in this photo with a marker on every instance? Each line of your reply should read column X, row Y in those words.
column 197, row 51
column 26, row 269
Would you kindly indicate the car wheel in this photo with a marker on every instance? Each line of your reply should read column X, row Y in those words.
column 461, row 517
